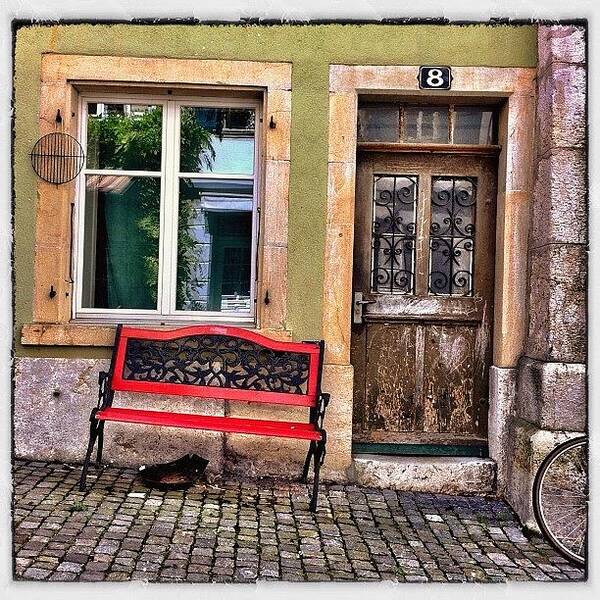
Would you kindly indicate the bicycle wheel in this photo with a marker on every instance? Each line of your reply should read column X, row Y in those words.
column 560, row 498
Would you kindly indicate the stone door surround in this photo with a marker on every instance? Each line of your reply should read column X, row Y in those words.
column 516, row 127
column 516, row 131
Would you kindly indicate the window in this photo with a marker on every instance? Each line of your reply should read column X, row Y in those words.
column 167, row 209
column 452, row 235
column 454, row 124
column 447, row 221
column 393, row 235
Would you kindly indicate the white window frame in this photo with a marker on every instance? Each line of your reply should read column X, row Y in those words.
column 169, row 203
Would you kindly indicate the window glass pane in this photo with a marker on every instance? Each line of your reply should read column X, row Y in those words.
column 393, row 236
column 425, row 124
column 121, row 232
column 214, row 246
column 217, row 140
column 473, row 125
column 378, row 124
column 124, row 136
column 452, row 236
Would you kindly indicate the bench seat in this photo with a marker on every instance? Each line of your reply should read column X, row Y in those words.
column 289, row 429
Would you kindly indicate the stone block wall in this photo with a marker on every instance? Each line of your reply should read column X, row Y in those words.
column 551, row 381
column 53, row 398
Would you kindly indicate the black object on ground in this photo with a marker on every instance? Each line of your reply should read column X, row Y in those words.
column 175, row 475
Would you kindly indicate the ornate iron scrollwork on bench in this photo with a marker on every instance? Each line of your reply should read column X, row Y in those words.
column 218, row 361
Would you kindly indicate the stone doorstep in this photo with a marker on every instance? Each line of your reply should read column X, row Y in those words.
column 434, row 474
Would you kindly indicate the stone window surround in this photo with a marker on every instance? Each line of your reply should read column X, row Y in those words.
column 516, row 131
column 60, row 77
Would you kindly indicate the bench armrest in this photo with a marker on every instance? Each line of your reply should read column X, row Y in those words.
column 321, row 406
column 105, row 394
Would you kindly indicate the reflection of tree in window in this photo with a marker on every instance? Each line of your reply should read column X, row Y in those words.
column 127, row 137
column 231, row 135
column 126, row 256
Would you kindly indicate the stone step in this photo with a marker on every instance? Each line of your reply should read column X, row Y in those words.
column 434, row 474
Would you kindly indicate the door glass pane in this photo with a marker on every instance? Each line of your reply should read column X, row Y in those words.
column 378, row 124
column 217, row 140
column 425, row 124
column 124, row 136
column 214, row 245
column 452, row 236
column 120, row 253
column 473, row 125
column 393, row 235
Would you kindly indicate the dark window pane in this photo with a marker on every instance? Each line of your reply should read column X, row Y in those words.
column 120, row 254
column 473, row 125
column 124, row 136
column 425, row 124
column 378, row 124
column 217, row 140
column 214, row 246
column 393, row 236
column 452, row 236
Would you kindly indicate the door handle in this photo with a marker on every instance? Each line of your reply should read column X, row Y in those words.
column 357, row 307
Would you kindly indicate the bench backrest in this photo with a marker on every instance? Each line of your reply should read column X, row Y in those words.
column 216, row 361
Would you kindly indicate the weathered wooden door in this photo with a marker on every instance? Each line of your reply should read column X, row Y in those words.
column 424, row 264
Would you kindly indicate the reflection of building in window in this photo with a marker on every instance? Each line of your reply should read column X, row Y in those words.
column 232, row 138
column 219, row 279
column 215, row 212
column 100, row 109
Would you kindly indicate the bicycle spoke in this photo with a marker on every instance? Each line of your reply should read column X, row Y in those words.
column 574, row 539
column 561, row 491
column 558, row 510
column 561, row 517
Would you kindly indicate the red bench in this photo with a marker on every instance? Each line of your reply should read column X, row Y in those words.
column 211, row 361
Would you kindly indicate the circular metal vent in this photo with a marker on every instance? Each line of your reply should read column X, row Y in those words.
column 57, row 157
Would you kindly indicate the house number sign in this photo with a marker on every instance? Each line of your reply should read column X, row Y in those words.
column 435, row 78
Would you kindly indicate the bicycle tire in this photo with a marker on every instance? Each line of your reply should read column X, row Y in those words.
column 575, row 501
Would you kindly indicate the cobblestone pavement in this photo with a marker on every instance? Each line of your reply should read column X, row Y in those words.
column 118, row 530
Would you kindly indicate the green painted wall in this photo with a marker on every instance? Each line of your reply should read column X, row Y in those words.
column 310, row 48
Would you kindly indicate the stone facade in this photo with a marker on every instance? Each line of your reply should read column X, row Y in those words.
column 551, row 379
column 538, row 387
column 503, row 385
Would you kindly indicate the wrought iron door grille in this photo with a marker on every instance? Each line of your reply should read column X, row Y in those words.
column 452, row 236
column 393, row 234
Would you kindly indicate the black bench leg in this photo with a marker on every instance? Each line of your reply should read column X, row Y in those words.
column 100, row 443
column 311, row 451
column 88, row 454
column 319, row 450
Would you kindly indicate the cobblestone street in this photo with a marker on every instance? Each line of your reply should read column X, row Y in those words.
column 119, row 530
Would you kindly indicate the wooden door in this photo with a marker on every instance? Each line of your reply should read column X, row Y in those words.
column 424, row 263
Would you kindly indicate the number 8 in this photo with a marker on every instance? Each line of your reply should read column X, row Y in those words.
column 435, row 78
